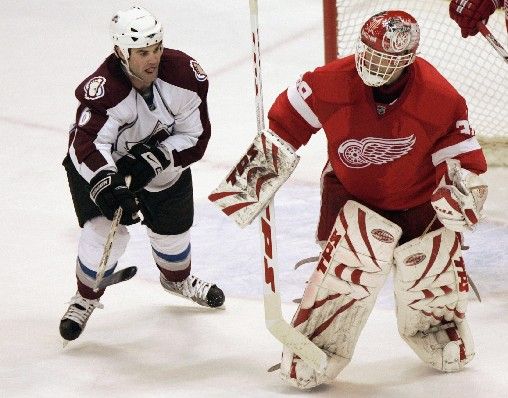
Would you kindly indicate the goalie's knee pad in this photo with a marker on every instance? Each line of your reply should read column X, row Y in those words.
column 91, row 247
column 342, row 290
column 431, row 290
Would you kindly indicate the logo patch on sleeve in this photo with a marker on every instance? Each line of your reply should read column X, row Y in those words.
column 94, row 88
column 198, row 71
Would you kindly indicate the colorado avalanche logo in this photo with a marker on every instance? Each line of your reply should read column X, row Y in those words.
column 198, row 71
column 374, row 151
column 94, row 88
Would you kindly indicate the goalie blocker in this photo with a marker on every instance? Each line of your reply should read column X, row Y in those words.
column 254, row 180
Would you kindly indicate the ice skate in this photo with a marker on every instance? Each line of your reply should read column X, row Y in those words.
column 195, row 289
column 74, row 320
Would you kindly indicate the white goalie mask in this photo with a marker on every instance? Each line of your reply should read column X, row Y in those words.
column 387, row 44
column 134, row 28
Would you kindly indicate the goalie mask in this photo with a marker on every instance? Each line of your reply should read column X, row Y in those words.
column 134, row 28
column 387, row 44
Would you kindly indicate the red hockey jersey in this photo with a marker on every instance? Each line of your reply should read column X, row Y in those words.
column 390, row 161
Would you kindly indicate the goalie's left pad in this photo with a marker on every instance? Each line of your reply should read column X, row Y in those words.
column 459, row 198
column 431, row 289
column 342, row 291
column 251, row 184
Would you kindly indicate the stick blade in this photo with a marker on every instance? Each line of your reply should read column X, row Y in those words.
column 117, row 277
column 299, row 344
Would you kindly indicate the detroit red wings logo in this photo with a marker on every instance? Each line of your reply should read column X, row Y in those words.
column 374, row 151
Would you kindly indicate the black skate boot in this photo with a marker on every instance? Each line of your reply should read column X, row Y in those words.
column 74, row 320
column 201, row 292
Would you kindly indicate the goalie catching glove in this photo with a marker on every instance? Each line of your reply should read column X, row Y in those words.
column 250, row 186
column 459, row 198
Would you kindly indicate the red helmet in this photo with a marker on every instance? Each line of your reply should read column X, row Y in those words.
column 387, row 44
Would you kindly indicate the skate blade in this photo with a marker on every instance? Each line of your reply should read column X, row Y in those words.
column 64, row 343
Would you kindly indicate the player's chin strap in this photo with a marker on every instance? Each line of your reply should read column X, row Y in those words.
column 126, row 68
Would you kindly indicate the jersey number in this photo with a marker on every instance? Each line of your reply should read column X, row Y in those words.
column 464, row 128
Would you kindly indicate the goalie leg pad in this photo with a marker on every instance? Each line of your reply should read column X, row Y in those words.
column 251, row 184
column 431, row 289
column 341, row 292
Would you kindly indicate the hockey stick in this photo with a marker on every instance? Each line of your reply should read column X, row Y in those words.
column 482, row 28
column 275, row 323
column 107, row 248
column 119, row 276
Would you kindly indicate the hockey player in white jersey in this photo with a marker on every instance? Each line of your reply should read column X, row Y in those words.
column 142, row 113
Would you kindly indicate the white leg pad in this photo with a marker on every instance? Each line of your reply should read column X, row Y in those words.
column 342, row 291
column 91, row 247
column 431, row 290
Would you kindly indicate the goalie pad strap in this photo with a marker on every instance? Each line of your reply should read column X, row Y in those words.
column 342, row 290
column 254, row 180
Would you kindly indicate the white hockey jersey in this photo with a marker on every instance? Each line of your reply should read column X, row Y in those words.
column 113, row 117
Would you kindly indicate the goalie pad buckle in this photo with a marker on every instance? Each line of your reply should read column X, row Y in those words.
column 431, row 292
column 342, row 291
column 254, row 180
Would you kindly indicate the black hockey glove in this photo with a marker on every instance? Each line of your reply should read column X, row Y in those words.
column 109, row 192
column 143, row 163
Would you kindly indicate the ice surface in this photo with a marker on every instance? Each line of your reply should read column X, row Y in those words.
column 145, row 343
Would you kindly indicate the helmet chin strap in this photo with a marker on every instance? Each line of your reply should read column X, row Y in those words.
column 127, row 70
column 125, row 64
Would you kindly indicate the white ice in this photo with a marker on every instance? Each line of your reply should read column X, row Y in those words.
column 146, row 343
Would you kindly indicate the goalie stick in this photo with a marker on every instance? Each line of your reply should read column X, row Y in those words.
column 482, row 28
column 275, row 323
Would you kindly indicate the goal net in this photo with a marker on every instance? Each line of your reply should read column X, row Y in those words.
column 471, row 65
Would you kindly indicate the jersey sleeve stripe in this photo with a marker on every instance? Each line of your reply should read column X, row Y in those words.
column 469, row 145
column 302, row 107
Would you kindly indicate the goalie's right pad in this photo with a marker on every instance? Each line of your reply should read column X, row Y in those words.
column 341, row 292
column 251, row 184
column 431, row 289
